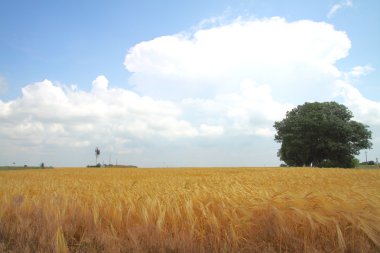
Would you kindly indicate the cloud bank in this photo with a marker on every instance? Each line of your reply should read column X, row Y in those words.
column 48, row 113
column 205, row 97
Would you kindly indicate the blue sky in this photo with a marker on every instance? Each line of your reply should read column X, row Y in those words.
column 118, row 74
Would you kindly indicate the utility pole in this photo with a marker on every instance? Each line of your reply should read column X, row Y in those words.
column 366, row 157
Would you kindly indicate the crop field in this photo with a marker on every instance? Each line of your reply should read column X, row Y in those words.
column 190, row 210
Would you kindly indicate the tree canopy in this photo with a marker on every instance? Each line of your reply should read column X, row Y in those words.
column 321, row 135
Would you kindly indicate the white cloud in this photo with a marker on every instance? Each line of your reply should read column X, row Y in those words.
column 364, row 109
column 296, row 59
column 336, row 7
column 100, row 84
column 251, row 110
column 48, row 114
column 359, row 71
column 208, row 130
column 244, row 75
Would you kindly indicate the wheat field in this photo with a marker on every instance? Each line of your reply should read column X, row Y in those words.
column 190, row 210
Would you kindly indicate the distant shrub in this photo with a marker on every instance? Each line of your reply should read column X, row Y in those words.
column 94, row 166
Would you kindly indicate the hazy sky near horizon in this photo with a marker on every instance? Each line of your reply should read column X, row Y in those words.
column 177, row 83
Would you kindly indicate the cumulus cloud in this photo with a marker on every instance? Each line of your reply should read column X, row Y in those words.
column 364, row 109
column 336, row 7
column 297, row 59
column 49, row 114
column 251, row 110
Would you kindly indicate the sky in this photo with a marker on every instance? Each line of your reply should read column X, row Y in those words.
column 178, row 83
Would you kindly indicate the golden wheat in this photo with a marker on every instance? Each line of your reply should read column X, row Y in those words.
column 190, row 210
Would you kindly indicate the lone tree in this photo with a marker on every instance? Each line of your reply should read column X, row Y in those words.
column 321, row 135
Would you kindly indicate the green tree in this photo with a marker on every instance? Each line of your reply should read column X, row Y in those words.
column 321, row 135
